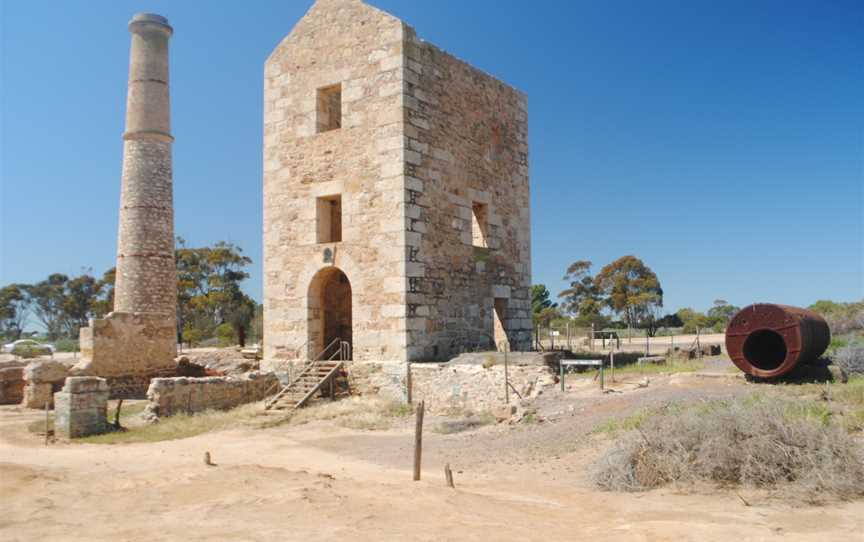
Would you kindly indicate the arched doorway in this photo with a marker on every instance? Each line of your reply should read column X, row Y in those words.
column 329, row 305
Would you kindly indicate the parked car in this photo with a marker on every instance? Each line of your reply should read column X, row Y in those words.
column 28, row 348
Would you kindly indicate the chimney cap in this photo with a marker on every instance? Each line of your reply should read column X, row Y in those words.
column 144, row 20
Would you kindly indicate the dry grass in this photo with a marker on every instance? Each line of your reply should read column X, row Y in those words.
column 788, row 445
column 186, row 425
column 368, row 413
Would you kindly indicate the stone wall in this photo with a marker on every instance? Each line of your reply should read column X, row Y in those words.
column 346, row 43
column 469, row 216
column 427, row 148
column 471, row 382
column 475, row 388
column 80, row 407
column 129, row 345
column 11, row 385
column 169, row 396
column 41, row 379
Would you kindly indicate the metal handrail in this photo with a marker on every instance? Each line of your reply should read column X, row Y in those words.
column 308, row 366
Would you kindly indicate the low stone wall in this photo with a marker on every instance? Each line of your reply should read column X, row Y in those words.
column 169, row 396
column 388, row 379
column 478, row 388
column 11, row 385
column 80, row 407
column 43, row 378
column 135, row 386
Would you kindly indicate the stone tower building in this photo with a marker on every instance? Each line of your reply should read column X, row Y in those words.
column 396, row 195
column 138, row 340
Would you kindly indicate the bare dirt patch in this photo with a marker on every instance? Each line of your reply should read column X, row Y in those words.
column 319, row 480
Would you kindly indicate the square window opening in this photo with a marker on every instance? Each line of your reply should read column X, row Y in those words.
column 329, row 108
column 329, row 214
column 480, row 225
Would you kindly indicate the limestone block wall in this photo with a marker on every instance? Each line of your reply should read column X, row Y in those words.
column 11, row 385
column 474, row 387
column 428, row 164
column 468, row 215
column 41, row 379
column 128, row 345
column 360, row 49
column 388, row 380
column 169, row 396
column 80, row 407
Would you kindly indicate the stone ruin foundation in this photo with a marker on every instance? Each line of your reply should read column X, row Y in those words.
column 80, row 408
column 41, row 379
column 169, row 396
column 11, row 385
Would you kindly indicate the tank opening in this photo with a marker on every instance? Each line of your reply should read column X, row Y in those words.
column 765, row 349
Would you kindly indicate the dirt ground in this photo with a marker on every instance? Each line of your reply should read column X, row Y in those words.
column 320, row 481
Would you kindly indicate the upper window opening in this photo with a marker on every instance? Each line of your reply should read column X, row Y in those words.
column 480, row 225
column 329, row 108
column 329, row 211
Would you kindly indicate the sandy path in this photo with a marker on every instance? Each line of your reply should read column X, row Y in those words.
column 320, row 482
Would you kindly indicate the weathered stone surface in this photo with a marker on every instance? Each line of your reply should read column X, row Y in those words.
column 128, row 344
column 47, row 370
column 11, row 385
column 80, row 407
column 42, row 378
column 168, row 396
column 139, row 338
column 429, row 159
column 451, row 386
column 473, row 387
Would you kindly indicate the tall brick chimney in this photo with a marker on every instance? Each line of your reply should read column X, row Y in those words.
column 138, row 340
column 146, row 274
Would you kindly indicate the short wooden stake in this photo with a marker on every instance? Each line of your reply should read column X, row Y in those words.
column 46, row 423
column 448, row 474
column 117, row 414
column 408, row 384
column 418, row 440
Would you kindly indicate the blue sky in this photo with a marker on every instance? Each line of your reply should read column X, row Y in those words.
column 721, row 142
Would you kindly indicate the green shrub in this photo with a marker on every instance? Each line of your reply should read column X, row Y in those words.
column 226, row 335
column 67, row 345
column 192, row 335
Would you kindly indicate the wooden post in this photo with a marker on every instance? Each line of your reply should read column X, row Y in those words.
column 418, row 440
column 409, row 383
column 561, row 365
column 601, row 374
column 568, row 335
column 612, row 364
column 46, row 423
column 506, row 377
column 117, row 414
column 592, row 337
column 647, row 343
column 448, row 474
column 698, row 343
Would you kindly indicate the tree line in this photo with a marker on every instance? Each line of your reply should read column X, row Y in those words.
column 210, row 302
column 623, row 294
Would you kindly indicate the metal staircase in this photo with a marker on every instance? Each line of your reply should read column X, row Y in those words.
column 313, row 378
